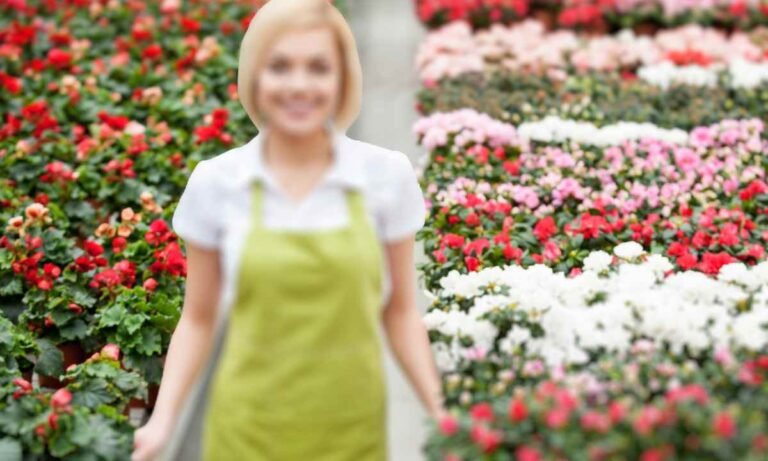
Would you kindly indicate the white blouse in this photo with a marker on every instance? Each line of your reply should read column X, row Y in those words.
column 214, row 209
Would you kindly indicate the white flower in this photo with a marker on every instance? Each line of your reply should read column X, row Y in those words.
column 659, row 264
column 628, row 250
column 597, row 261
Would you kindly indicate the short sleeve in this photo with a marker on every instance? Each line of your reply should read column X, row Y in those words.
column 406, row 211
column 194, row 217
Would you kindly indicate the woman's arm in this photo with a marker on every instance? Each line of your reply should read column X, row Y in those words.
column 405, row 329
column 189, row 349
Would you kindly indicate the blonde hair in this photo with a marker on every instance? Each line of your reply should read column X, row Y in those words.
column 277, row 16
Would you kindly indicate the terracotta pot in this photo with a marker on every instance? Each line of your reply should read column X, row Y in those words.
column 49, row 381
column 134, row 404
column 73, row 354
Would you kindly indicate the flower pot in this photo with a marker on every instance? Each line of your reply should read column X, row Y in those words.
column 72, row 354
column 49, row 381
column 134, row 404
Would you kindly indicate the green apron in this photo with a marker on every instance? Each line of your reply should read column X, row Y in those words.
column 300, row 375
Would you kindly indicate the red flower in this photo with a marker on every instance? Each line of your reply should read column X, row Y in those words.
column 755, row 251
column 616, row 412
column 58, row 58
column 119, row 244
column 729, row 235
column 61, row 399
column 518, row 411
column 488, row 439
column 453, row 240
column 545, row 228
column 512, row 167
column 116, row 122
column 189, row 25
column 524, row 453
column 448, row 425
column 712, row 262
column 557, row 417
column 656, row 454
column 476, row 247
column 152, row 52
column 756, row 187
column 688, row 392
column 738, row 8
column 111, row 351
column 472, row 220
column 158, row 232
column 724, row 425
column 512, row 253
column 439, row 256
column 482, row 412
column 648, row 418
column 595, row 421
column 93, row 248
column 472, row 263
column 150, row 284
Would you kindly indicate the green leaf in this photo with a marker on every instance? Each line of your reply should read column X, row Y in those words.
column 93, row 393
column 60, row 445
column 112, row 316
column 50, row 361
column 10, row 449
column 10, row 287
column 75, row 329
column 132, row 323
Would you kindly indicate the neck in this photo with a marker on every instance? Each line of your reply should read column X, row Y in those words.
column 290, row 150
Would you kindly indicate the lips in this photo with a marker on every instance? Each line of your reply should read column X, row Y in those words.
column 299, row 108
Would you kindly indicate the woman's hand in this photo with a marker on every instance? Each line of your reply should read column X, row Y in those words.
column 149, row 440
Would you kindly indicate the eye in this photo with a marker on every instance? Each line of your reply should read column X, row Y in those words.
column 278, row 66
column 320, row 67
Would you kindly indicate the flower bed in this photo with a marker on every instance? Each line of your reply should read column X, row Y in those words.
column 594, row 15
column 497, row 197
column 598, row 98
column 527, row 47
column 620, row 360
column 546, row 151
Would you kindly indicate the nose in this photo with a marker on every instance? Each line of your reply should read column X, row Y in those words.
column 299, row 80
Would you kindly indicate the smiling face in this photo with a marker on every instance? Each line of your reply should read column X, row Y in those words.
column 299, row 84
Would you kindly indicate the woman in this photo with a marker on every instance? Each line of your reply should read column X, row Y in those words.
column 304, row 238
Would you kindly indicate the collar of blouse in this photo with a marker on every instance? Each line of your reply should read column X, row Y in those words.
column 346, row 169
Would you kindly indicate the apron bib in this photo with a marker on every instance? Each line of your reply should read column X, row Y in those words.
column 300, row 375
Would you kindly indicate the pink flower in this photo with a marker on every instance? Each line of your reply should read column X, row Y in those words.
column 448, row 425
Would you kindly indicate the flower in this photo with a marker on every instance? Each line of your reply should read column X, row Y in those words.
column 628, row 250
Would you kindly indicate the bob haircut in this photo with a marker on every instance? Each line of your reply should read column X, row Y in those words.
column 277, row 16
